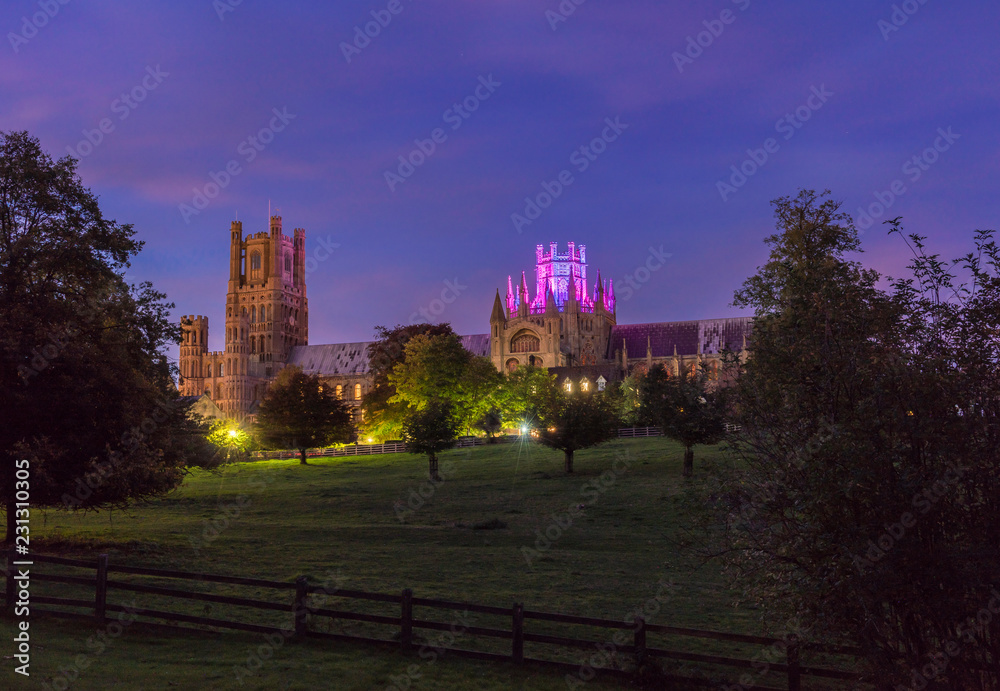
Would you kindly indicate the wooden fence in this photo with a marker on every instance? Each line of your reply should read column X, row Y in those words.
column 629, row 432
column 522, row 625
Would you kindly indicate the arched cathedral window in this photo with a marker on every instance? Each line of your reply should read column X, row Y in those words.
column 525, row 343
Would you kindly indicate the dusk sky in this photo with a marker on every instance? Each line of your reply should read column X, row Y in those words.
column 869, row 85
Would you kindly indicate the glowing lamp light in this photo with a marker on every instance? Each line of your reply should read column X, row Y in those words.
column 233, row 433
column 524, row 429
column 370, row 440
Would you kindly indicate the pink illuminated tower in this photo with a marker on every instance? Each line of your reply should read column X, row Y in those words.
column 563, row 323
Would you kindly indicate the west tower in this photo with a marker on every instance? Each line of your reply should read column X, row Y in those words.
column 267, row 314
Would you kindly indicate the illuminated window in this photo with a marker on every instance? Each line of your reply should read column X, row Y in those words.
column 525, row 343
column 255, row 265
column 357, row 392
column 568, row 386
column 340, row 391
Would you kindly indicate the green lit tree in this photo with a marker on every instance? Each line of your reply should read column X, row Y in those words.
column 384, row 414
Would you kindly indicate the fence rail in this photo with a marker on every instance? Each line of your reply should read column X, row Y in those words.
column 461, row 443
column 630, row 642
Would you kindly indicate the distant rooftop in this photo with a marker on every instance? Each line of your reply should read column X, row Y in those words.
column 714, row 336
column 352, row 358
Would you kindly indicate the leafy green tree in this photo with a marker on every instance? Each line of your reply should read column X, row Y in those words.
column 525, row 393
column 624, row 396
column 433, row 368
column 479, row 395
column 89, row 407
column 300, row 412
column 866, row 494
column 686, row 408
column 439, row 367
column 431, row 429
column 383, row 414
column 574, row 421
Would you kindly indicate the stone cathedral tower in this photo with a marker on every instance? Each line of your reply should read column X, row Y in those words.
column 564, row 324
column 267, row 314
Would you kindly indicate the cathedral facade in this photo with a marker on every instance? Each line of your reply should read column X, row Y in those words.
column 566, row 324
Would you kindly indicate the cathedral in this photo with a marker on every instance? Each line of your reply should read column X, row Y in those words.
column 565, row 326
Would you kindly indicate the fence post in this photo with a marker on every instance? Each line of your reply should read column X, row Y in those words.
column 10, row 590
column 794, row 674
column 640, row 641
column 299, row 612
column 406, row 621
column 101, row 598
column 517, row 634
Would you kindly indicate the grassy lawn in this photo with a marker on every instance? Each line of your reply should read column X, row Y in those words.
column 362, row 522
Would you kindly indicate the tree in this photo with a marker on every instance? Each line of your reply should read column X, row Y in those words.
column 524, row 394
column 430, row 430
column 300, row 412
column 865, row 496
column 89, row 407
column 577, row 421
column 479, row 395
column 686, row 408
column 439, row 367
column 432, row 368
column 384, row 419
column 490, row 423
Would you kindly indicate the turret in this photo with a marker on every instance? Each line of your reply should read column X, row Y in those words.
column 522, row 308
column 235, row 250
column 551, row 308
column 299, row 249
column 497, row 317
column 275, row 262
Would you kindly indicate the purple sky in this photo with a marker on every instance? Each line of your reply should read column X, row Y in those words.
column 887, row 92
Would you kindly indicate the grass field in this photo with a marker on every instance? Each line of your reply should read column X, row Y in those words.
column 364, row 519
